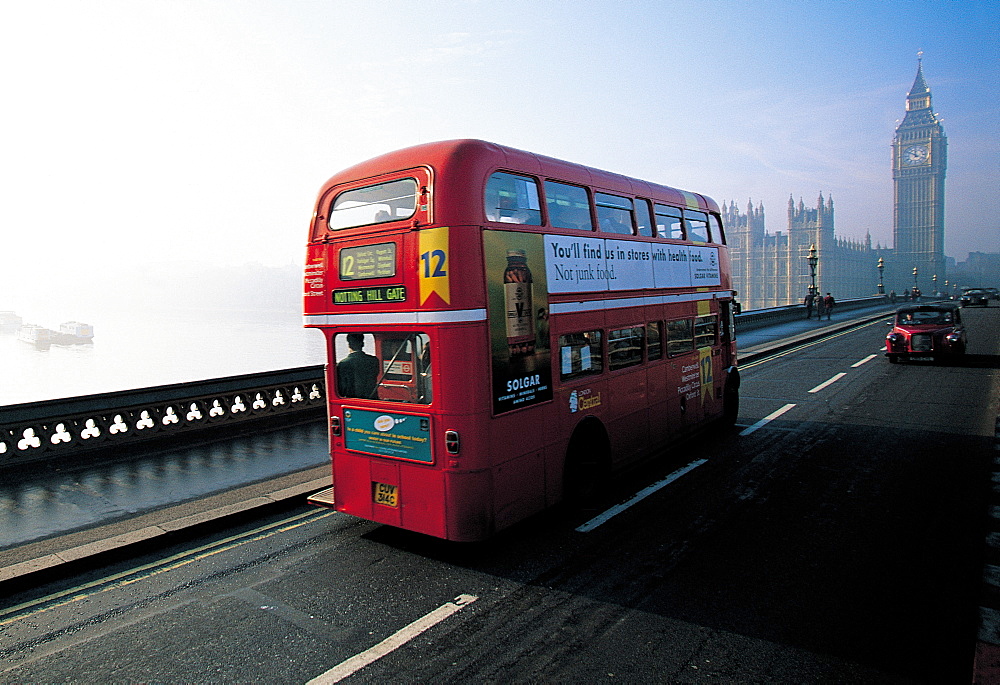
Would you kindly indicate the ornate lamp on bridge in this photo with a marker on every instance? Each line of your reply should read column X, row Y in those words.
column 881, row 267
column 914, row 279
column 813, row 261
column 934, row 281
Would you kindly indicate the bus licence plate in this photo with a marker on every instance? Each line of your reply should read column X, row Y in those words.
column 385, row 494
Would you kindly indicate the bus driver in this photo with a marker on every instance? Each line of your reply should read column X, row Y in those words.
column 357, row 373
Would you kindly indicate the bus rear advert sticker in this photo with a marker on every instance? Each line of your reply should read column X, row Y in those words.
column 405, row 436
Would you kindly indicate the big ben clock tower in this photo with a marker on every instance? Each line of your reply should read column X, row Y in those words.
column 919, row 158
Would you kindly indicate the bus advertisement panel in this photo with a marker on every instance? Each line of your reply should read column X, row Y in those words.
column 517, row 289
column 579, row 264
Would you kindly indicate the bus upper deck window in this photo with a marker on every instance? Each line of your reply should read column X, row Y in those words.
column 668, row 222
column 569, row 206
column 512, row 199
column 715, row 225
column 614, row 214
column 643, row 220
column 375, row 204
column 697, row 226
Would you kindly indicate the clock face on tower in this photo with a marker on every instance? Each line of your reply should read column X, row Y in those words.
column 915, row 155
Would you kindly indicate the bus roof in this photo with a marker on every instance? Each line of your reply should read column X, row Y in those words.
column 458, row 161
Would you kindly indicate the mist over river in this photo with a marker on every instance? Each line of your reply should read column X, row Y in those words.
column 135, row 349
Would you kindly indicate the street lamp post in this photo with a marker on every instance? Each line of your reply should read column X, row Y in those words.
column 915, row 289
column 881, row 268
column 813, row 261
column 934, row 287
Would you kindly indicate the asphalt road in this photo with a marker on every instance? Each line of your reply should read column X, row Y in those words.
column 840, row 541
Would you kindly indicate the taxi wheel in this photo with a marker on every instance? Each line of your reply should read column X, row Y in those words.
column 893, row 358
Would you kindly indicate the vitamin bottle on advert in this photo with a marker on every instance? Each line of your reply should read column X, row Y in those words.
column 517, row 304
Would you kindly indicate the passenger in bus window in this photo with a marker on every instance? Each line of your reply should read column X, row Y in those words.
column 357, row 373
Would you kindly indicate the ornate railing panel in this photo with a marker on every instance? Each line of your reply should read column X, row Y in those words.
column 67, row 427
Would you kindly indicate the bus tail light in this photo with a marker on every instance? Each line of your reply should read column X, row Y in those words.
column 335, row 425
column 451, row 442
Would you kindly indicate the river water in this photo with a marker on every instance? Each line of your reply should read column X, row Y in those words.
column 143, row 348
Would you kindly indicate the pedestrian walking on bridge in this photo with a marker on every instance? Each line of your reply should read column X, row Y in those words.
column 828, row 303
column 809, row 304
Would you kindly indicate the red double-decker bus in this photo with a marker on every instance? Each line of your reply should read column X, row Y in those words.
column 504, row 329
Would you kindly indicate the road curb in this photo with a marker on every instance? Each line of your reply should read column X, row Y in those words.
column 63, row 555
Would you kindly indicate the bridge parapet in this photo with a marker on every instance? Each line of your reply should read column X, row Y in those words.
column 758, row 318
column 76, row 426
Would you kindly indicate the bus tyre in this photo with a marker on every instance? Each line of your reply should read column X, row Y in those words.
column 587, row 464
column 730, row 406
column 731, row 398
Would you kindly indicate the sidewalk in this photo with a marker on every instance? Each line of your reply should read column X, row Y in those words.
column 56, row 555
column 62, row 554
column 770, row 339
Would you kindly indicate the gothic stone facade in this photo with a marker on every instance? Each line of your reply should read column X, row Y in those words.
column 771, row 269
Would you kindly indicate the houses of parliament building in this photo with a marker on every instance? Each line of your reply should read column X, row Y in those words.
column 772, row 269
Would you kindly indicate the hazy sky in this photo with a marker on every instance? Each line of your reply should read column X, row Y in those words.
column 138, row 133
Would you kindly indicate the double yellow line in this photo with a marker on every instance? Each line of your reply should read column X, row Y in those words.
column 118, row 580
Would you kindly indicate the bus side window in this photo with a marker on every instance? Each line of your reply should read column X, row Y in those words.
column 705, row 328
column 580, row 355
column 654, row 344
column 680, row 337
column 568, row 206
column 715, row 224
column 512, row 199
column 625, row 347
column 668, row 222
column 614, row 214
column 697, row 226
column 643, row 219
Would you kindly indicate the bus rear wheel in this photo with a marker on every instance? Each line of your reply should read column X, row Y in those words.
column 587, row 463
column 730, row 407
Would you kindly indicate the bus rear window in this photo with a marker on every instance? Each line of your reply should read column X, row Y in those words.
column 375, row 204
column 394, row 367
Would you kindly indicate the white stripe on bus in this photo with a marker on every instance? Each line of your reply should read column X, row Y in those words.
column 386, row 318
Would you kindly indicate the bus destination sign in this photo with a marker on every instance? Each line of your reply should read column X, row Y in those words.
column 368, row 261
column 386, row 293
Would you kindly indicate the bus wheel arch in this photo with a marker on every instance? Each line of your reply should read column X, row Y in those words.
column 588, row 461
